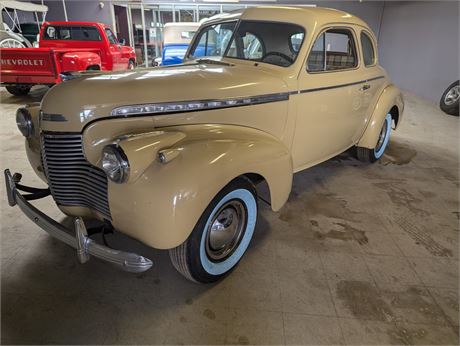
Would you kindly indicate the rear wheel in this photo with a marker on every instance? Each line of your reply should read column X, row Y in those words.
column 221, row 236
column 18, row 90
column 450, row 99
column 372, row 155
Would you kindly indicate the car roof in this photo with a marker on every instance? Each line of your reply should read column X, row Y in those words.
column 304, row 16
column 74, row 23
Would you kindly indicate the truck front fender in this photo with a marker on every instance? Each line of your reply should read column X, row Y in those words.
column 390, row 101
column 79, row 61
column 162, row 206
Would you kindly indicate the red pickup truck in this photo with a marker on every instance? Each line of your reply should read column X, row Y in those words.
column 63, row 47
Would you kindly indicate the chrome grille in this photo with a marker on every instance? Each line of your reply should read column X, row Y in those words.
column 73, row 181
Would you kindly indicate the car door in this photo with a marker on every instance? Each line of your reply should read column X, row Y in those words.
column 115, row 50
column 329, row 98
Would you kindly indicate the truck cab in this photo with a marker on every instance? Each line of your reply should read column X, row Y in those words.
column 88, row 35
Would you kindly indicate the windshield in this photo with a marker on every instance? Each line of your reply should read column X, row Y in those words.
column 269, row 42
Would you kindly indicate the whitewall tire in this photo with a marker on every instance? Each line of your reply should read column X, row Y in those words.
column 372, row 155
column 221, row 236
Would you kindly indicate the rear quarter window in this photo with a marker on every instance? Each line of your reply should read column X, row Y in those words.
column 368, row 50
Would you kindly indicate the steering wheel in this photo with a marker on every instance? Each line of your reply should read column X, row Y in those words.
column 288, row 59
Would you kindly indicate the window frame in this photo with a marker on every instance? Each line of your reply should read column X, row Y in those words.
column 374, row 47
column 357, row 50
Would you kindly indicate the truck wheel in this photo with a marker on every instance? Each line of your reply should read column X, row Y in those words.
column 372, row 155
column 18, row 90
column 221, row 236
column 131, row 65
column 450, row 99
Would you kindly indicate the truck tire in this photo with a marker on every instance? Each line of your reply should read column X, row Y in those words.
column 18, row 90
column 221, row 235
column 449, row 102
column 372, row 155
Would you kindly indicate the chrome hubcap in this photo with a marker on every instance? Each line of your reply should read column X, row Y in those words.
column 226, row 230
column 382, row 136
column 452, row 96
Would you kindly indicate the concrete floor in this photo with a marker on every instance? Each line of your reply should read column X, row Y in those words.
column 361, row 254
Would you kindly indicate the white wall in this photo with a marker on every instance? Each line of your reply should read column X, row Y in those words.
column 419, row 45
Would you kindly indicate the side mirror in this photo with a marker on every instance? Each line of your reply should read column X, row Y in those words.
column 122, row 41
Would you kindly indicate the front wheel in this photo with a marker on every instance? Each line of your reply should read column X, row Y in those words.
column 221, row 236
column 372, row 155
column 18, row 90
column 131, row 65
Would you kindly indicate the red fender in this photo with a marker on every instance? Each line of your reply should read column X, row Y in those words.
column 79, row 61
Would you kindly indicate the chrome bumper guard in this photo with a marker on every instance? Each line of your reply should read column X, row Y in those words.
column 85, row 246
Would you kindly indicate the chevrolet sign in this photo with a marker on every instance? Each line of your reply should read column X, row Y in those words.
column 23, row 62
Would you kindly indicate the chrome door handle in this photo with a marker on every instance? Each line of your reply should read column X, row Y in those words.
column 365, row 87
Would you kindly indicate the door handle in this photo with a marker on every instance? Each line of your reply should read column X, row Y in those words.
column 365, row 87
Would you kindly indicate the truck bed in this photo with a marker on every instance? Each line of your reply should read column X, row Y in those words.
column 32, row 65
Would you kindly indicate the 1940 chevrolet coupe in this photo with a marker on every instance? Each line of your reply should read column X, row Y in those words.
column 170, row 156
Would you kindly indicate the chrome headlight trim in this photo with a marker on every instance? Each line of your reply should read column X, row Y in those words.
column 24, row 122
column 115, row 164
column 196, row 105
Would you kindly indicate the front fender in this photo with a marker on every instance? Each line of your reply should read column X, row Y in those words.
column 162, row 206
column 390, row 97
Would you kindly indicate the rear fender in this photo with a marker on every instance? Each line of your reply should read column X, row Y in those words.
column 163, row 204
column 389, row 98
column 79, row 61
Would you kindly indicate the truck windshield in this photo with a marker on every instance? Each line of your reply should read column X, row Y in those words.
column 273, row 43
column 74, row 33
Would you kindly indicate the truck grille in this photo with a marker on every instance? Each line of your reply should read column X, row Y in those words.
column 73, row 181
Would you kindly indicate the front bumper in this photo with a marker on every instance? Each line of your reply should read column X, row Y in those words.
column 84, row 245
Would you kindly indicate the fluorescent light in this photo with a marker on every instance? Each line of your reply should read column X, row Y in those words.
column 217, row 1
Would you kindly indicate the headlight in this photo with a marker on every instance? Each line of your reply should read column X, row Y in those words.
column 24, row 122
column 115, row 164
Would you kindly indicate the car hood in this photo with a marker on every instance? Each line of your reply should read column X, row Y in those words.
column 85, row 99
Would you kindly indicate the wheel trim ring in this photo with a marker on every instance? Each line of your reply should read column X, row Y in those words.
column 378, row 153
column 250, row 203
column 452, row 96
column 236, row 232
column 382, row 136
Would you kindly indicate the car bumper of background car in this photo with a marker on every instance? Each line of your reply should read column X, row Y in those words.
column 84, row 245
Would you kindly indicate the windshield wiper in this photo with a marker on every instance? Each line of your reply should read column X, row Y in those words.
column 211, row 61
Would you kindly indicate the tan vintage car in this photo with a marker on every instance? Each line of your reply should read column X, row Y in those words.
column 170, row 156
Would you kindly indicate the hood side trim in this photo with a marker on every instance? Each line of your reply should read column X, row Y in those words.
column 195, row 105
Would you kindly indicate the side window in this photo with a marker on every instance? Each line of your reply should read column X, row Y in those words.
column 110, row 36
column 368, row 50
column 333, row 50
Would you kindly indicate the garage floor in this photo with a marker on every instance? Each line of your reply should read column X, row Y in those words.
column 361, row 254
